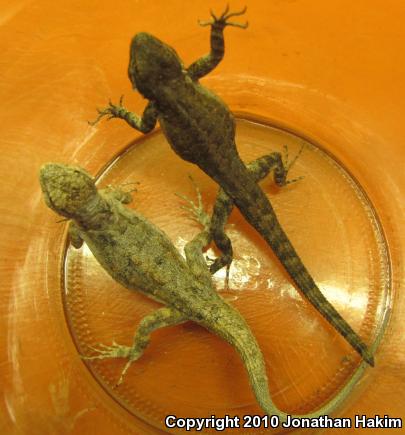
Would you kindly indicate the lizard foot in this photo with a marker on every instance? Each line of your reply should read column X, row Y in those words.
column 111, row 111
column 288, row 165
column 223, row 261
column 222, row 21
column 104, row 351
column 115, row 351
column 118, row 192
column 196, row 210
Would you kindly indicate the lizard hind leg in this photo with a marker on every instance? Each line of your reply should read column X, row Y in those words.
column 258, row 169
column 222, row 209
column 212, row 229
column 195, row 247
column 160, row 318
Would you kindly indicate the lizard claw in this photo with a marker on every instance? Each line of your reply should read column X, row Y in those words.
column 222, row 21
column 225, row 14
column 222, row 15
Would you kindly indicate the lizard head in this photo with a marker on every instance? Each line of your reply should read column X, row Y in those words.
column 66, row 189
column 152, row 64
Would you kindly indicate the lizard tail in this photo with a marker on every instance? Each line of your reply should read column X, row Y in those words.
column 257, row 210
column 231, row 326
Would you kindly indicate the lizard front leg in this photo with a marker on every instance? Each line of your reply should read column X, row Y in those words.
column 117, row 193
column 161, row 318
column 207, row 63
column 144, row 124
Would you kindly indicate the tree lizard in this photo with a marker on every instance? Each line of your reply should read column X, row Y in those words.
column 201, row 129
column 141, row 257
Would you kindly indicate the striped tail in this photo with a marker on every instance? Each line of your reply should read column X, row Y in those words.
column 257, row 210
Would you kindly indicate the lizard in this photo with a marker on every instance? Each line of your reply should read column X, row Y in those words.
column 200, row 128
column 141, row 257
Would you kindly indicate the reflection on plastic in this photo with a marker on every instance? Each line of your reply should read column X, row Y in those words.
column 334, row 229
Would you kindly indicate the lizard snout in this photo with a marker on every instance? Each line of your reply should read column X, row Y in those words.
column 66, row 188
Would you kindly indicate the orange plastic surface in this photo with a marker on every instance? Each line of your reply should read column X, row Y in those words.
column 332, row 72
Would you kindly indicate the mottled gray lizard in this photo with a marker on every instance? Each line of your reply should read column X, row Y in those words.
column 201, row 129
column 141, row 257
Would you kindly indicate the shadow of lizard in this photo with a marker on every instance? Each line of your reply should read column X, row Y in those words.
column 201, row 129
column 141, row 257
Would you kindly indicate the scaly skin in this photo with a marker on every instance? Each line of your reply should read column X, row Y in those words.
column 201, row 129
column 141, row 257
